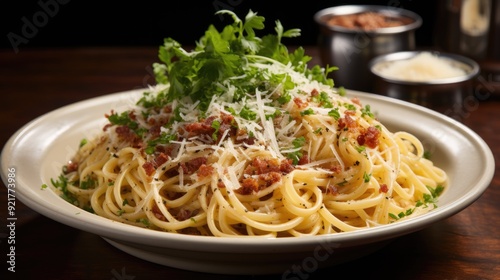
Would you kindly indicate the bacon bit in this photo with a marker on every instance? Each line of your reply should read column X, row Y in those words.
column 269, row 179
column 261, row 166
column 269, row 171
column 384, row 188
column 204, row 127
column 125, row 133
column 152, row 121
column 155, row 131
column 356, row 100
column 132, row 115
column 227, row 123
column 361, row 139
column 183, row 214
column 158, row 121
column 369, row 137
column 314, row 92
column 168, row 109
column 350, row 113
column 193, row 165
column 347, row 121
column 248, row 186
column 205, row 170
column 227, row 118
column 167, row 150
column 160, row 159
column 158, row 214
column 303, row 160
column 149, row 168
column 286, row 166
column 243, row 137
column 299, row 102
column 200, row 128
column 241, row 134
column 71, row 166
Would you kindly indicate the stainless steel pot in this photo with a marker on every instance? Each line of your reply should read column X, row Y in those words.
column 352, row 49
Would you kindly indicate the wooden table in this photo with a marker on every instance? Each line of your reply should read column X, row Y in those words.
column 33, row 82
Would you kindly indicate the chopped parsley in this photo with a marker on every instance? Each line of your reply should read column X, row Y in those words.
column 323, row 99
column 62, row 185
column 83, row 142
column 248, row 114
column 144, row 221
column 427, row 155
column 360, row 149
column 427, row 199
column 88, row 183
column 308, row 111
column 284, row 98
column 334, row 113
column 350, row 107
column 164, row 138
column 122, row 119
column 366, row 177
column 125, row 119
column 297, row 144
column 366, row 111
column 341, row 91
column 216, row 126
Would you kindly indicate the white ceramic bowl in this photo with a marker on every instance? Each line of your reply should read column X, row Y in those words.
column 38, row 150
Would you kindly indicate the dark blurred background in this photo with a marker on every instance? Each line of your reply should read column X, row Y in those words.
column 66, row 23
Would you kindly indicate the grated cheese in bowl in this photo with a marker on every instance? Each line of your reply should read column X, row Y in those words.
column 424, row 66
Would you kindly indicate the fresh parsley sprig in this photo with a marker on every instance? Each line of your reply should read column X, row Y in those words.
column 221, row 55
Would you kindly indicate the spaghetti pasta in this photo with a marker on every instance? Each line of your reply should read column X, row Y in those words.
column 274, row 152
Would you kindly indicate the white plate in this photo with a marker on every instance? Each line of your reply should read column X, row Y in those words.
column 39, row 149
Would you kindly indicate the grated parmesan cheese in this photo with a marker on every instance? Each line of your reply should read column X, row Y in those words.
column 422, row 67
